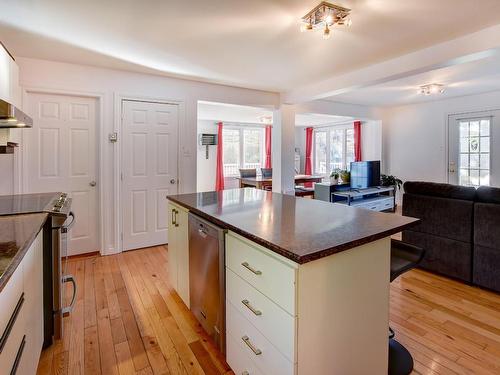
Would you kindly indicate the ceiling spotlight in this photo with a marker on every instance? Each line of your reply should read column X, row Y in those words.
column 305, row 27
column 326, row 32
column 432, row 88
column 325, row 15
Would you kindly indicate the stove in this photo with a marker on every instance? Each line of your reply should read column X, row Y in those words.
column 55, row 233
column 53, row 203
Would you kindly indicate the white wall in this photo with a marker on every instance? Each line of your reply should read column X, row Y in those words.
column 415, row 143
column 79, row 79
column 206, row 168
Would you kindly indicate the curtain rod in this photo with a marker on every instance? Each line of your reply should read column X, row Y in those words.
column 332, row 125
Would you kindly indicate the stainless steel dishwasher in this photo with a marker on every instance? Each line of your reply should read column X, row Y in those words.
column 207, row 278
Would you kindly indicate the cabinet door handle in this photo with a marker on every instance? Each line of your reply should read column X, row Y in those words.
column 18, row 356
column 176, row 223
column 251, row 269
column 172, row 217
column 251, row 308
column 11, row 322
column 255, row 350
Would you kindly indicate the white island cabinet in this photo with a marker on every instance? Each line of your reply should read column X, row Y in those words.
column 327, row 316
column 21, row 314
column 178, row 250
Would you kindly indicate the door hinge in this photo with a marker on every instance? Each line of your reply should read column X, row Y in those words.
column 121, row 236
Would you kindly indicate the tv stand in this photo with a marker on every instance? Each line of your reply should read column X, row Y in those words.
column 375, row 198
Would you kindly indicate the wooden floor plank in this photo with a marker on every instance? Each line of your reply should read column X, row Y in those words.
column 128, row 320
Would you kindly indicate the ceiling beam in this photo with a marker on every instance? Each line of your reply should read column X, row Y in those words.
column 472, row 47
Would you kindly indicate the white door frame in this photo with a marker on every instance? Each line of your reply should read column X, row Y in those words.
column 448, row 122
column 118, row 102
column 100, row 143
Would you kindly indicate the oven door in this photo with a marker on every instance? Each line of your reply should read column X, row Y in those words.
column 59, row 258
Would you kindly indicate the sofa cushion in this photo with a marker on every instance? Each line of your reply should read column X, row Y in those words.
column 488, row 194
column 486, row 267
column 440, row 190
column 487, row 225
column 442, row 255
column 450, row 218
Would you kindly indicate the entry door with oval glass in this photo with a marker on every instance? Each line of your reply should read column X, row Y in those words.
column 149, row 166
column 473, row 143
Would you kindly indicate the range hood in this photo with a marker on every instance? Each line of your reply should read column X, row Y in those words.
column 13, row 117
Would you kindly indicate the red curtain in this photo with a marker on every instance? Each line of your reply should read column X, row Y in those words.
column 268, row 146
column 357, row 141
column 309, row 146
column 219, row 174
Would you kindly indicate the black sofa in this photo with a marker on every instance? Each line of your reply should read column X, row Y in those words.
column 460, row 230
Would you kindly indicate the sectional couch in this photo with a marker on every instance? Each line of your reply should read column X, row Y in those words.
column 460, row 230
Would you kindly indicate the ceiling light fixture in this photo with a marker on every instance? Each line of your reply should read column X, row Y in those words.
column 432, row 88
column 324, row 16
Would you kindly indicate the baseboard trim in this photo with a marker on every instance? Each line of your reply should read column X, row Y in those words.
column 84, row 255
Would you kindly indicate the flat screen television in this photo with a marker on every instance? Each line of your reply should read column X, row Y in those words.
column 365, row 174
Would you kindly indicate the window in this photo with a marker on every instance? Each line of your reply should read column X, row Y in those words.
column 333, row 148
column 243, row 147
column 474, row 160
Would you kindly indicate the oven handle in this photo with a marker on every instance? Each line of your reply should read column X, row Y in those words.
column 66, row 310
column 67, row 227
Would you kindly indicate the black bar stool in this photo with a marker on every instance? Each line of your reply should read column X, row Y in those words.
column 404, row 257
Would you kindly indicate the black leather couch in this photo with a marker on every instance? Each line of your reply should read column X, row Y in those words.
column 460, row 230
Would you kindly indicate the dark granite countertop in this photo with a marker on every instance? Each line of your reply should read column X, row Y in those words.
column 17, row 233
column 299, row 229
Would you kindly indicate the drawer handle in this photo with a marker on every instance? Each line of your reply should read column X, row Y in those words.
column 18, row 356
column 251, row 269
column 11, row 322
column 176, row 223
column 251, row 308
column 255, row 351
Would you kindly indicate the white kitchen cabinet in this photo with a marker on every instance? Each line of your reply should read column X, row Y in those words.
column 21, row 316
column 9, row 79
column 33, row 291
column 178, row 250
column 286, row 318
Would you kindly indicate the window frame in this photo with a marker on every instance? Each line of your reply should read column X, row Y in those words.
column 241, row 134
column 328, row 130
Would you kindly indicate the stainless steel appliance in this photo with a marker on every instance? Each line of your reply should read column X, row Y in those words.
column 61, row 224
column 55, row 232
column 13, row 117
column 207, row 278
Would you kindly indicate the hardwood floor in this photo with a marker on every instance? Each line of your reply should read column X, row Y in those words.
column 127, row 320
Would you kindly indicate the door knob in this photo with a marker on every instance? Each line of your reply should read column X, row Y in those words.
column 172, row 181
column 93, row 183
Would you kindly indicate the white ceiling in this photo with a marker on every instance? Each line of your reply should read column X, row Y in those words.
column 252, row 115
column 254, row 44
column 459, row 80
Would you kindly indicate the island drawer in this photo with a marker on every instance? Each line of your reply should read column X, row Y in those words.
column 237, row 358
column 264, row 354
column 272, row 321
column 271, row 274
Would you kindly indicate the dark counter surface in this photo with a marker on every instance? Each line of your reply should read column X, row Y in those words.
column 299, row 229
column 17, row 233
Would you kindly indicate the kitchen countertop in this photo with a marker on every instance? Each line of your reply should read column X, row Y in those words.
column 17, row 233
column 299, row 229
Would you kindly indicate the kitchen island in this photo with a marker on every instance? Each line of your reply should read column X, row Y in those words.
column 307, row 282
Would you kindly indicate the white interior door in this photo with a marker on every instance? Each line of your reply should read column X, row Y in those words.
column 62, row 156
column 474, row 149
column 149, row 170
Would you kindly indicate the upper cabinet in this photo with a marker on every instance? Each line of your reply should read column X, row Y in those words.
column 9, row 78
